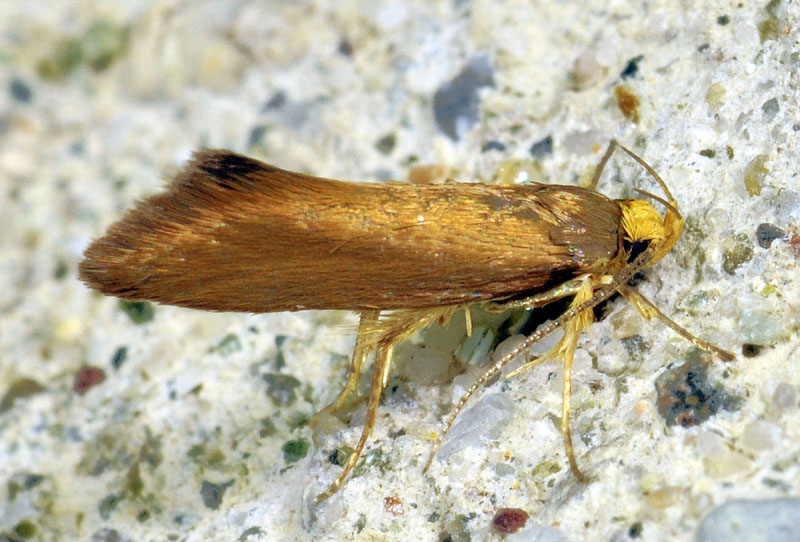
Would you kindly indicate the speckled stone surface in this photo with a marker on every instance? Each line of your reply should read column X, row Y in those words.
column 157, row 423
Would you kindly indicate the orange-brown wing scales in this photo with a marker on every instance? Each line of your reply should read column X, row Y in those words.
column 234, row 234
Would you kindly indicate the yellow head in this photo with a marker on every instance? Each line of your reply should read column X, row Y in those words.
column 642, row 223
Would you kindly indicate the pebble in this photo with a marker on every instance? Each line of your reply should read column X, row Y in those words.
column 715, row 96
column 586, row 70
column 542, row 148
column 770, row 109
column 664, row 497
column 766, row 233
column 755, row 173
column 760, row 435
column 785, row 396
column 752, row 521
column 787, row 206
column 758, row 326
column 537, row 533
column 726, row 464
column 455, row 104
column 484, row 421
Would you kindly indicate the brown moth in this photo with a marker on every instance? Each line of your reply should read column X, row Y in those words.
column 231, row 233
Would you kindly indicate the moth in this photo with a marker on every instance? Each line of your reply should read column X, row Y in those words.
column 231, row 233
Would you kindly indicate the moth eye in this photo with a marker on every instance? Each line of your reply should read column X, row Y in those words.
column 636, row 248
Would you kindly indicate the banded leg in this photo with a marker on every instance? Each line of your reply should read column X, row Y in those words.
column 571, row 287
column 576, row 318
column 581, row 288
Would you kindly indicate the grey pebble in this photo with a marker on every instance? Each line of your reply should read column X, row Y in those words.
column 752, row 521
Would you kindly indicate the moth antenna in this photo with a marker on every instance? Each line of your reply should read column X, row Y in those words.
column 603, row 161
column 660, row 200
column 652, row 173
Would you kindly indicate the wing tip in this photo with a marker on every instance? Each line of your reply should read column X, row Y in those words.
column 103, row 268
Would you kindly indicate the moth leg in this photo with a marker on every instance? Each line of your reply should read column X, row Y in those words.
column 649, row 311
column 571, row 287
column 566, row 350
column 381, row 335
column 360, row 353
column 380, row 371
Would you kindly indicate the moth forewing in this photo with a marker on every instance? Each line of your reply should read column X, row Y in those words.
column 234, row 234
column 231, row 233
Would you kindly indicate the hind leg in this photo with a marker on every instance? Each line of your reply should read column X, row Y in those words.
column 360, row 353
column 383, row 362
column 381, row 336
